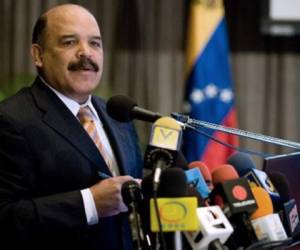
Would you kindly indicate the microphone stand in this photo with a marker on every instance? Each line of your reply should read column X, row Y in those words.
column 187, row 121
column 177, row 240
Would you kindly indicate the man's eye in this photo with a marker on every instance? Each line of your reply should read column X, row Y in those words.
column 96, row 44
column 69, row 42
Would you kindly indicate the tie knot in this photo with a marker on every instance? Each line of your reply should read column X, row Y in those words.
column 85, row 114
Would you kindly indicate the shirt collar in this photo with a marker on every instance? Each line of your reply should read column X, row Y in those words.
column 72, row 105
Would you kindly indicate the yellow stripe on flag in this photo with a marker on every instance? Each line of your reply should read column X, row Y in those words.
column 204, row 17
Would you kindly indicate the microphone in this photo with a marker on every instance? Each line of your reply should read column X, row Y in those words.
column 124, row 109
column 173, row 202
column 214, row 229
column 132, row 197
column 241, row 162
column 286, row 207
column 223, row 173
column 196, row 180
column 173, row 184
column 234, row 196
column 204, row 171
column 163, row 148
column 267, row 226
column 282, row 186
column 263, row 201
column 261, row 179
column 246, row 168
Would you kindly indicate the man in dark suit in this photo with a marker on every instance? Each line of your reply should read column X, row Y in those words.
column 54, row 190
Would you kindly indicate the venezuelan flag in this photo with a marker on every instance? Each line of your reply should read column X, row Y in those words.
column 209, row 95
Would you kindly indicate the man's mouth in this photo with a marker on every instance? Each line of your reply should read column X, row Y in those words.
column 87, row 67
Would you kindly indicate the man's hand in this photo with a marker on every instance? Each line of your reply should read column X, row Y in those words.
column 107, row 196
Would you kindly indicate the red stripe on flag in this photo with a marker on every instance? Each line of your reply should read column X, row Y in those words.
column 215, row 153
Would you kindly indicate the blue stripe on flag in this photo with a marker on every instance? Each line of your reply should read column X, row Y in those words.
column 209, row 91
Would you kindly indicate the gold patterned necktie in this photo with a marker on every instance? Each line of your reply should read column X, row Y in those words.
column 86, row 119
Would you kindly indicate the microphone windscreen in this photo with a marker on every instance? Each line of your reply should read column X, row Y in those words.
column 147, row 186
column 241, row 162
column 224, row 173
column 168, row 122
column 263, row 201
column 181, row 162
column 204, row 171
column 173, row 183
column 119, row 107
column 281, row 184
column 203, row 168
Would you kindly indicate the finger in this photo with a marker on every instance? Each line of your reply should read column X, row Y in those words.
column 139, row 181
column 123, row 179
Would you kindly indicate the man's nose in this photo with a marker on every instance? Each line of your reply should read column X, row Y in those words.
column 84, row 50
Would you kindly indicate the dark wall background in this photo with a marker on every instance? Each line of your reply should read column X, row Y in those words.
column 244, row 22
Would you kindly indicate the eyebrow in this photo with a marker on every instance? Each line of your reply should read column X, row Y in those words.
column 75, row 36
column 97, row 37
column 67, row 36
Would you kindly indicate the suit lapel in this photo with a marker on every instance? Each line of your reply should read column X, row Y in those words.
column 58, row 117
column 116, row 133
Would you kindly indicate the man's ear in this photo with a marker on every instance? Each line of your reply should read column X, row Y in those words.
column 37, row 54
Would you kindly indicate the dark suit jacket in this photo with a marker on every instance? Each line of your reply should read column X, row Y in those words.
column 46, row 158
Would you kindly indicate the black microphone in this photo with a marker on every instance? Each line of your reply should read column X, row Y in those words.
column 234, row 196
column 241, row 162
column 173, row 184
column 286, row 207
column 132, row 197
column 124, row 109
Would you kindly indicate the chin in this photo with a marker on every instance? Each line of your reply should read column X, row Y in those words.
column 83, row 85
column 86, row 89
column 80, row 87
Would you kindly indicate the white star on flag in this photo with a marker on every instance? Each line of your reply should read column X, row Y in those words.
column 211, row 90
column 226, row 95
column 197, row 96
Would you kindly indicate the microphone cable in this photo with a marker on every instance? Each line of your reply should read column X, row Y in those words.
column 160, row 231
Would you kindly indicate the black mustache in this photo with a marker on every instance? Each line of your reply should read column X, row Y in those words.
column 83, row 63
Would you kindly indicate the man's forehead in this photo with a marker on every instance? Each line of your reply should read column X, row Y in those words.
column 66, row 28
column 71, row 22
column 70, row 14
column 66, row 9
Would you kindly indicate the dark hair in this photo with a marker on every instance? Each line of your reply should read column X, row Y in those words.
column 38, row 29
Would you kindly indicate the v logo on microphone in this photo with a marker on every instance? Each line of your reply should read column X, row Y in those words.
column 165, row 136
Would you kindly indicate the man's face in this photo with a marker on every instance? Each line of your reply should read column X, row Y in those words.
column 71, row 52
